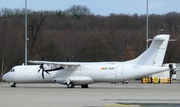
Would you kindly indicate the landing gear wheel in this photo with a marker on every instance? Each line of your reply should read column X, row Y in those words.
column 125, row 82
column 84, row 86
column 13, row 84
column 71, row 85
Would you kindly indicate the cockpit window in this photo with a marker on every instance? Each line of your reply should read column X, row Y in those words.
column 12, row 70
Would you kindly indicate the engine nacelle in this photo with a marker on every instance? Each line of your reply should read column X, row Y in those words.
column 78, row 80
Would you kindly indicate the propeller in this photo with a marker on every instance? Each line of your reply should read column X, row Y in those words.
column 69, row 60
column 41, row 67
column 172, row 70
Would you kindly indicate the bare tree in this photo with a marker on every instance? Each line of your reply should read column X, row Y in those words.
column 129, row 53
column 35, row 28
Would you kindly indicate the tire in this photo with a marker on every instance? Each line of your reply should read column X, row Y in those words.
column 84, row 86
column 70, row 85
column 13, row 84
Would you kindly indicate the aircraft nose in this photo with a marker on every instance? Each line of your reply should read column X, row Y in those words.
column 5, row 77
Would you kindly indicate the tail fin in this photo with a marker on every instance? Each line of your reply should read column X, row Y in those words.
column 154, row 55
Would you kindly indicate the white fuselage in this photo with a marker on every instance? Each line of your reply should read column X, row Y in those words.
column 86, row 74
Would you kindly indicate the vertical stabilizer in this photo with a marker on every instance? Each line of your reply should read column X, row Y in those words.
column 154, row 55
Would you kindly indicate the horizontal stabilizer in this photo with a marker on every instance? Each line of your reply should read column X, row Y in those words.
column 162, row 40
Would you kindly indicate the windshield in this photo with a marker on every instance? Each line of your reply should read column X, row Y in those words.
column 12, row 70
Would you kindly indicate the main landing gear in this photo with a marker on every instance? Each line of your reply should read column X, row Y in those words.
column 84, row 86
column 70, row 85
column 125, row 82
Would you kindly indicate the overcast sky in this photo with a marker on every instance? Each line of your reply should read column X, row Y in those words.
column 99, row 7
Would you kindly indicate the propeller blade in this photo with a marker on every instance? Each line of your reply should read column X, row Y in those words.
column 39, row 70
column 43, row 57
column 43, row 74
column 47, row 72
column 67, row 58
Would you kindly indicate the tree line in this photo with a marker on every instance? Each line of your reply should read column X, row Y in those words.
column 80, row 35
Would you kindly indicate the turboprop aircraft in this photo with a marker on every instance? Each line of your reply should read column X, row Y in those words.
column 84, row 73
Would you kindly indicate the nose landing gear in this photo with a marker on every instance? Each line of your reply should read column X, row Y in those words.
column 13, row 84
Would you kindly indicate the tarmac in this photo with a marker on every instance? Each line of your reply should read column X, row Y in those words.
column 133, row 94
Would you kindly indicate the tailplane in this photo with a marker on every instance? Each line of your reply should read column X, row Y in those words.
column 154, row 55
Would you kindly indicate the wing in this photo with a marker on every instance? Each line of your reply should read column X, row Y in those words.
column 65, row 65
